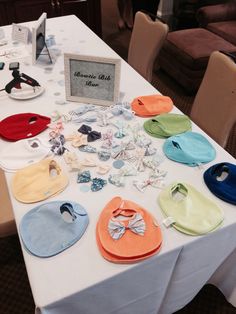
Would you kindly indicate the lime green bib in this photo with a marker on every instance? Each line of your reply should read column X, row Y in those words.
column 191, row 212
column 167, row 124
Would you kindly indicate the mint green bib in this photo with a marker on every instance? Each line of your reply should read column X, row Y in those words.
column 191, row 212
column 167, row 124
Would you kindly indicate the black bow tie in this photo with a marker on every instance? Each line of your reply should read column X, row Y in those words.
column 92, row 135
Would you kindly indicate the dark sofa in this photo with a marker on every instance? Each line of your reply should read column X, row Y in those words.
column 219, row 19
column 185, row 53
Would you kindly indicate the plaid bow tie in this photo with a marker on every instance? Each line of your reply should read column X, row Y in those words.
column 117, row 228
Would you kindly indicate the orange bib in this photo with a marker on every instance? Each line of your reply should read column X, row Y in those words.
column 152, row 105
column 126, row 232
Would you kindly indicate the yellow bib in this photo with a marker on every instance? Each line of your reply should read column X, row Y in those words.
column 39, row 181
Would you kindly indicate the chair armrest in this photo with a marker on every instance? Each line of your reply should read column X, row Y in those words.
column 216, row 13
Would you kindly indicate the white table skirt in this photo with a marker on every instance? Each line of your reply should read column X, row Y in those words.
column 79, row 280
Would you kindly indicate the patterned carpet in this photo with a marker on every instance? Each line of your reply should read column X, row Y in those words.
column 15, row 293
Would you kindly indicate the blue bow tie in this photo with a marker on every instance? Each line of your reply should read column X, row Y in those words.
column 97, row 183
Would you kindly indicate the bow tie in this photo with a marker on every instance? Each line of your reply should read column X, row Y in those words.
column 123, row 108
column 56, row 128
column 118, row 179
column 116, row 228
column 122, row 129
column 108, row 140
column 104, row 118
column 82, row 110
column 71, row 160
column 156, row 180
column 92, row 135
column 154, row 162
column 120, row 152
column 138, row 159
column 97, row 183
column 89, row 119
column 77, row 139
column 58, row 145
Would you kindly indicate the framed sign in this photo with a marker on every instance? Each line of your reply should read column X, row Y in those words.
column 20, row 33
column 93, row 80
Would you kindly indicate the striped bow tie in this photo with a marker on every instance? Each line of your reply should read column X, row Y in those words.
column 116, row 228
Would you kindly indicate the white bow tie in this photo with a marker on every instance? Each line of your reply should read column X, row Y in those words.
column 156, row 180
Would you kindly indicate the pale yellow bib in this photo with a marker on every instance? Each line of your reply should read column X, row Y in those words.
column 39, row 181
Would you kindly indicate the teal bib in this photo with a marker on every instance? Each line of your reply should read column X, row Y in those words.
column 189, row 148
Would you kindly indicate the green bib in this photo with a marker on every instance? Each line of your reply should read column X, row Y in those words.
column 191, row 212
column 167, row 124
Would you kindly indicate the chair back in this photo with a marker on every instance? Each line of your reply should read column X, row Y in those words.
column 214, row 107
column 146, row 41
column 7, row 220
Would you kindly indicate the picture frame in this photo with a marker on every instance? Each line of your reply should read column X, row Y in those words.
column 38, row 37
column 91, row 79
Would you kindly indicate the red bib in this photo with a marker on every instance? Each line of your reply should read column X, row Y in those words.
column 23, row 125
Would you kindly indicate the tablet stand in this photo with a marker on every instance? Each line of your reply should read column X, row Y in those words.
column 44, row 45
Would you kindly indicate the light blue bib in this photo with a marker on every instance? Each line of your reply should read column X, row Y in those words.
column 189, row 148
column 51, row 228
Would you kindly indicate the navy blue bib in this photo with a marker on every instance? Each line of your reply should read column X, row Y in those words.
column 221, row 181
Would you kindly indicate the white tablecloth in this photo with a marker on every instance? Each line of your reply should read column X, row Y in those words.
column 79, row 280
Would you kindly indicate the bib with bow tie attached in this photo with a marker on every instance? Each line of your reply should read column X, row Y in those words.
column 126, row 232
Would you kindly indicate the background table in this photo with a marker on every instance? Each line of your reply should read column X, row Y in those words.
column 79, row 280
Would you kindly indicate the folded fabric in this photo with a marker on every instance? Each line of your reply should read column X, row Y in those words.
column 152, row 105
column 221, row 181
column 23, row 125
column 189, row 211
column 189, row 148
column 51, row 228
column 38, row 182
column 29, row 151
column 167, row 124
column 126, row 232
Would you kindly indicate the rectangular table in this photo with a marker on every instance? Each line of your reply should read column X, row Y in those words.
column 79, row 280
